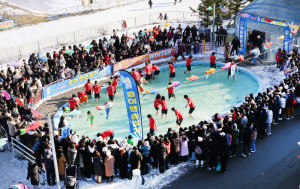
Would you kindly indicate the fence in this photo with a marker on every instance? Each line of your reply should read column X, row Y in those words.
column 23, row 150
column 96, row 5
column 19, row 52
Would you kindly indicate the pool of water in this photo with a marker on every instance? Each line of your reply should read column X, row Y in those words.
column 214, row 95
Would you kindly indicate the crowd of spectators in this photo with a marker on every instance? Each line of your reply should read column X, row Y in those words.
column 210, row 141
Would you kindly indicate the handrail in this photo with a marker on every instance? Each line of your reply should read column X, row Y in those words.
column 17, row 146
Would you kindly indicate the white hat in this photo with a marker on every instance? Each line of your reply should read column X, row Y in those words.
column 258, row 36
column 200, row 139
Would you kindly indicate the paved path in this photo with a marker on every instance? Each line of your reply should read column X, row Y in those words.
column 273, row 165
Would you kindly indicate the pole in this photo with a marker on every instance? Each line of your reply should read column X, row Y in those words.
column 53, row 150
column 213, row 34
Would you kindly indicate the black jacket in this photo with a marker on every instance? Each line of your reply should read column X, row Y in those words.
column 135, row 160
column 33, row 173
column 99, row 166
column 247, row 134
column 162, row 151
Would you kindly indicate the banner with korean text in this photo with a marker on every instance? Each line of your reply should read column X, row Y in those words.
column 133, row 106
column 73, row 82
column 124, row 64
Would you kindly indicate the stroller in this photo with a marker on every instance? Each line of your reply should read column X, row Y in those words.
column 71, row 177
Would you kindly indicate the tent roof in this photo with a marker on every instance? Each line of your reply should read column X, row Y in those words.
column 287, row 10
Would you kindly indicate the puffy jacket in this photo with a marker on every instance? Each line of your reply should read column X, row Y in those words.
column 175, row 144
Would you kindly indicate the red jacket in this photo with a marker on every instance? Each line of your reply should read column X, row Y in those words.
column 278, row 56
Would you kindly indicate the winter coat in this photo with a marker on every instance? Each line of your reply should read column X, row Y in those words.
column 175, row 144
column 234, row 134
column 48, row 159
column 99, row 166
column 244, row 122
column 109, row 162
column 162, row 151
column 227, row 51
column 289, row 100
column 135, row 159
column 72, row 153
column 235, row 43
column 61, row 163
column 145, row 150
column 269, row 116
column 184, row 150
column 247, row 134
column 33, row 173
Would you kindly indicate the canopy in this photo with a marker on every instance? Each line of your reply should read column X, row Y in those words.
column 287, row 10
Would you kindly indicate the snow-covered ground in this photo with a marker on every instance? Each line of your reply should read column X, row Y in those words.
column 18, row 36
column 11, row 11
column 45, row 5
column 13, row 170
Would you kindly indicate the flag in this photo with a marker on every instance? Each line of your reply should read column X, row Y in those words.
column 132, row 102
column 65, row 131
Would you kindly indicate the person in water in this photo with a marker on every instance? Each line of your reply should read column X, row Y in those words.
column 164, row 107
column 171, row 91
column 91, row 117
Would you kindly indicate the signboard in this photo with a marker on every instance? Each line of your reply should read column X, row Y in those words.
column 6, row 24
column 73, row 82
column 144, row 58
column 263, row 20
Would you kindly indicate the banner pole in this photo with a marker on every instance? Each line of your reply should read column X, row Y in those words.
column 53, row 150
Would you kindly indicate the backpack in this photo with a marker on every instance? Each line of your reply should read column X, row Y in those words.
column 198, row 150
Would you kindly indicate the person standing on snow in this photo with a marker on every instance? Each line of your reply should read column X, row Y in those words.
column 150, row 3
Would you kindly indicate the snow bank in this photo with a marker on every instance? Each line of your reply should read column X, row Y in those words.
column 18, row 36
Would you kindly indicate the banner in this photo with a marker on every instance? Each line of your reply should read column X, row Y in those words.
column 287, row 39
column 132, row 101
column 73, row 82
column 124, row 64
column 242, row 35
column 6, row 24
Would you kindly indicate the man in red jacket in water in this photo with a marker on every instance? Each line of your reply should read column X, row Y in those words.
column 109, row 133
column 179, row 116
column 88, row 87
column 111, row 91
column 97, row 89
column 148, row 70
column 156, row 70
column 73, row 103
column 136, row 75
column 191, row 104
column 83, row 97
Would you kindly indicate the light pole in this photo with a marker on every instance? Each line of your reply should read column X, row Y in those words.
column 214, row 15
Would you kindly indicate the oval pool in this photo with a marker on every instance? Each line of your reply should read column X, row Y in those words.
column 214, row 95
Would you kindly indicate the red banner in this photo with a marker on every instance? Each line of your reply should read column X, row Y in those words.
column 144, row 58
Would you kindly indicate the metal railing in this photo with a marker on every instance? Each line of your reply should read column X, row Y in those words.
column 23, row 150
column 7, row 145
column 54, row 42
column 96, row 5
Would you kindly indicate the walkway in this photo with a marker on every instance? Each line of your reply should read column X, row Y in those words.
column 273, row 165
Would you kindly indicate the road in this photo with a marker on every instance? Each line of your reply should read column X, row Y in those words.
column 273, row 165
